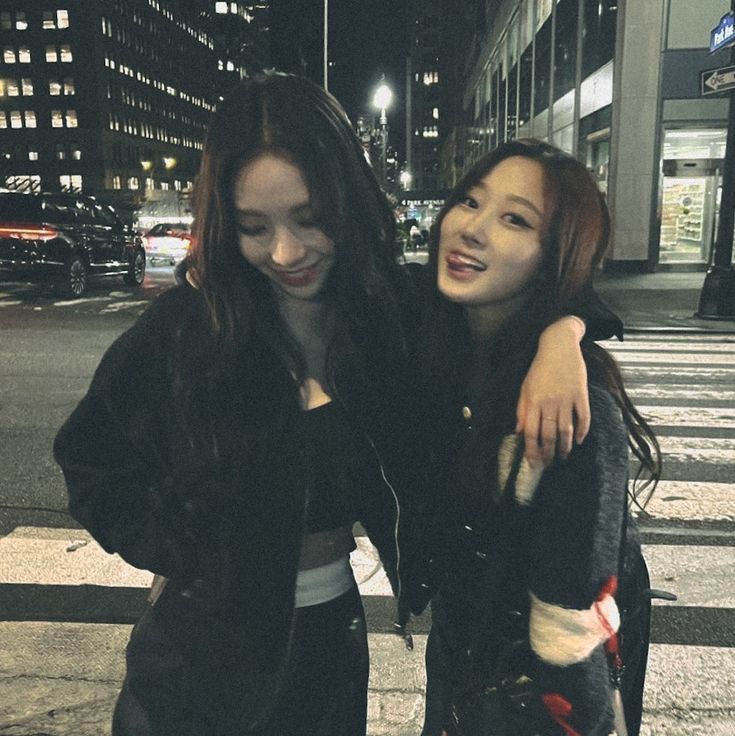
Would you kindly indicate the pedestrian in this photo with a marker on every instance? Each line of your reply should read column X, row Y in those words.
column 231, row 438
column 524, row 623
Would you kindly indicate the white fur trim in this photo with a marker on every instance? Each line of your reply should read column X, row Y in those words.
column 528, row 478
column 564, row 636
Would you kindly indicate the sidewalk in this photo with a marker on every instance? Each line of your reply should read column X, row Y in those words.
column 659, row 302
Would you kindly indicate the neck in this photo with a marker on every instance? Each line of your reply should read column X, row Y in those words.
column 486, row 321
column 311, row 324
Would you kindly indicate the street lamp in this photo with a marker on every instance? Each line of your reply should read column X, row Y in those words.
column 381, row 100
column 406, row 179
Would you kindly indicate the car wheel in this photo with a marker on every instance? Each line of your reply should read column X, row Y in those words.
column 75, row 278
column 136, row 270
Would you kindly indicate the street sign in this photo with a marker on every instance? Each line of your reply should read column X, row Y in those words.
column 723, row 34
column 713, row 81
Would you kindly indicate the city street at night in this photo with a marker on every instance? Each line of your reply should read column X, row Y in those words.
column 66, row 608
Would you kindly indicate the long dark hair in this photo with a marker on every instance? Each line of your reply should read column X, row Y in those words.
column 291, row 117
column 574, row 239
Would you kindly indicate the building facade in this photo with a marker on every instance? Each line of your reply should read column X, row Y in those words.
column 617, row 84
column 114, row 96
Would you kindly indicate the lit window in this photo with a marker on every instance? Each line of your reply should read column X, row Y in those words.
column 51, row 54
column 27, row 85
column 3, row 119
column 12, row 88
column 230, row 66
column 57, row 119
column 116, row 182
column 435, row 113
column 71, row 119
column 70, row 182
column 9, row 55
column 21, row 23
column 24, row 55
column 54, row 87
column 62, row 18
column 133, row 182
column 68, row 86
column 33, row 155
column 220, row 8
column 3, row 87
column 48, row 19
column 16, row 121
column 30, row 118
column 75, row 151
column 66, row 53
column 5, row 21
column 60, row 151
column 431, row 78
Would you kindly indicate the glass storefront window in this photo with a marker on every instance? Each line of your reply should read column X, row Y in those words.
column 565, row 47
column 543, row 71
column 502, row 91
column 598, row 34
column 691, row 185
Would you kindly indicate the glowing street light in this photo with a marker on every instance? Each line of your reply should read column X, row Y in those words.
column 406, row 179
column 381, row 100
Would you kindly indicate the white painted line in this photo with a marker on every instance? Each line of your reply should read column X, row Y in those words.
column 664, row 348
column 688, row 500
column 40, row 556
column 660, row 391
column 677, row 357
column 698, row 575
column 689, row 416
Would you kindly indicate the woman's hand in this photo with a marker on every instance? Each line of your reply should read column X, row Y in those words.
column 554, row 394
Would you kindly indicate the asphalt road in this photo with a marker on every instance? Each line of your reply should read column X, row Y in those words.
column 49, row 348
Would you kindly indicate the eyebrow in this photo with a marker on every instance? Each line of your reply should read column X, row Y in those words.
column 297, row 210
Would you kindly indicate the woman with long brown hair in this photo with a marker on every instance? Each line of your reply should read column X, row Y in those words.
column 526, row 618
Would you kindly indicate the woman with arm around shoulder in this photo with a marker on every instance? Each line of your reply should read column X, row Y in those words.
column 532, row 556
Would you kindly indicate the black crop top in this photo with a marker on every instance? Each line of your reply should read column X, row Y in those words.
column 341, row 464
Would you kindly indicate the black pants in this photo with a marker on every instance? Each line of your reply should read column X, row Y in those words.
column 324, row 691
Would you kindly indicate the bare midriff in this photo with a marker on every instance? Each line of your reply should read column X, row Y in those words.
column 321, row 548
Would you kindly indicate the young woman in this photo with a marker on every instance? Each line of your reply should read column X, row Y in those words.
column 233, row 436
column 528, row 606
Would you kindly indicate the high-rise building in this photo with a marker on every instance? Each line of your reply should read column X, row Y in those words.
column 115, row 95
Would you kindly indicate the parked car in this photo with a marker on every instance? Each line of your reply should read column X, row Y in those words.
column 167, row 241
column 67, row 238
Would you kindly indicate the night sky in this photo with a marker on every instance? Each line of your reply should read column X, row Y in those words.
column 367, row 38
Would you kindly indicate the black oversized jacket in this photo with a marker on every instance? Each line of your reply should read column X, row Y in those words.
column 218, row 506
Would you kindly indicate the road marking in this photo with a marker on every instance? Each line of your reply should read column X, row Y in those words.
column 689, row 416
column 687, row 500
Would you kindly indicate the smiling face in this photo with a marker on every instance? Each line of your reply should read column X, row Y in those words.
column 490, row 241
column 277, row 229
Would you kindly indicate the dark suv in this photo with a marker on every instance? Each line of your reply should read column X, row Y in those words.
column 66, row 238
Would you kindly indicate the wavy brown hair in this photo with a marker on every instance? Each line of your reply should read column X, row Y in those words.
column 574, row 240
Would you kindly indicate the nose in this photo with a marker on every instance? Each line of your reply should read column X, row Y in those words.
column 288, row 250
column 475, row 229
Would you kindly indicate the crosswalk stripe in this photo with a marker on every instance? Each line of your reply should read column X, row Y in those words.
column 689, row 346
column 689, row 416
column 679, row 392
column 687, row 500
column 677, row 358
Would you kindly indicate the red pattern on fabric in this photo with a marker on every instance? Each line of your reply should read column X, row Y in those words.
column 559, row 709
column 611, row 645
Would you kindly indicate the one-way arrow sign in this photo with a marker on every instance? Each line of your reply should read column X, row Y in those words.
column 713, row 81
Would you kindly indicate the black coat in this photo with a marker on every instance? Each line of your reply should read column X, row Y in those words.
column 213, row 501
